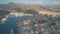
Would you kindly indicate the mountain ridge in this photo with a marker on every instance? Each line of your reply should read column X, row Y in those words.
column 38, row 9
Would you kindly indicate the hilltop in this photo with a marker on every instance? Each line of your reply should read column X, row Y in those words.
column 32, row 9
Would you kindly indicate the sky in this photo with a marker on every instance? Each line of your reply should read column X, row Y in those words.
column 32, row 1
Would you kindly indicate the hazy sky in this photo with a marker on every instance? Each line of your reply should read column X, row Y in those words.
column 32, row 1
